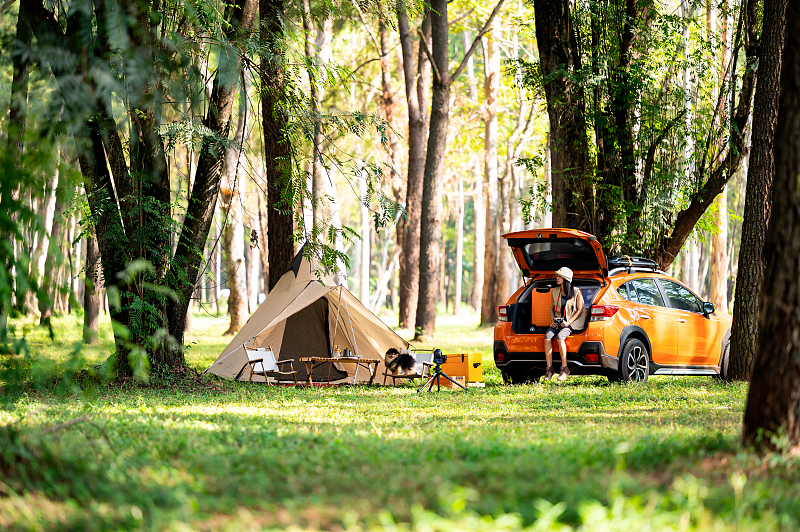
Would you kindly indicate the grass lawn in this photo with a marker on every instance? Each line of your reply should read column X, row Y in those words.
column 584, row 455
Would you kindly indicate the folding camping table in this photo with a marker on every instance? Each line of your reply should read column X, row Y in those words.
column 370, row 363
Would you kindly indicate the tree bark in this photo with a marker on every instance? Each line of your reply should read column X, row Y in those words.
column 431, row 228
column 91, row 294
column 277, row 145
column 555, row 36
column 459, row 247
column 417, row 85
column 492, row 242
column 758, row 195
column 18, row 105
column 202, row 202
column 718, row 283
column 773, row 403
column 50, row 282
column 231, row 203
column 479, row 236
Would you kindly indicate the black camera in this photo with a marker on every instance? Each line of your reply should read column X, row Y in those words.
column 558, row 321
column 439, row 357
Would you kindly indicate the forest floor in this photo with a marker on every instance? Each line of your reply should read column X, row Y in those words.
column 582, row 455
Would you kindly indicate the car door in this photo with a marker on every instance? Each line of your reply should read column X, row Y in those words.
column 697, row 333
column 655, row 318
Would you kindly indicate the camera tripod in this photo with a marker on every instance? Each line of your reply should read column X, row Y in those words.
column 435, row 376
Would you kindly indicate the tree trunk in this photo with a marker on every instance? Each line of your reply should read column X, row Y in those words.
column 232, row 207
column 202, row 202
column 559, row 58
column 50, row 282
column 773, row 403
column 479, row 237
column 277, row 145
column 492, row 242
column 417, row 85
column 263, row 221
column 718, row 285
column 91, row 294
column 42, row 251
column 364, row 243
column 758, row 195
column 459, row 246
column 20, row 59
column 431, row 228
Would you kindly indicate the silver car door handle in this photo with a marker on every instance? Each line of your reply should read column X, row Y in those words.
column 681, row 320
column 645, row 316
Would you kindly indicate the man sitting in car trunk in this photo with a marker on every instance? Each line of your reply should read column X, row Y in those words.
column 567, row 315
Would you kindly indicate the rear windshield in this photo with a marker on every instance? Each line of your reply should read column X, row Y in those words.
column 550, row 255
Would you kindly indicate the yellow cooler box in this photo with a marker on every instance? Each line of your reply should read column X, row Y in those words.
column 468, row 365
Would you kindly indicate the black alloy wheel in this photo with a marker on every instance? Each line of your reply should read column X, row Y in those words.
column 634, row 365
column 519, row 375
column 724, row 362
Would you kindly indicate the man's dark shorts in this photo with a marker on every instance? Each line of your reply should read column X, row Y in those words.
column 560, row 333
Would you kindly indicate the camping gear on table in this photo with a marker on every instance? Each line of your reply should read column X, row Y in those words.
column 305, row 316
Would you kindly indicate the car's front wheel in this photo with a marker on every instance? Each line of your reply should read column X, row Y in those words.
column 634, row 365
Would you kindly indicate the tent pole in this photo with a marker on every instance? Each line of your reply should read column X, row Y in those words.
column 352, row 332
column 336, row 326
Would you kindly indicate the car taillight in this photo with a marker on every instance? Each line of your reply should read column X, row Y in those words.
column 592, row 357
column 502, row 313
column 603, row 312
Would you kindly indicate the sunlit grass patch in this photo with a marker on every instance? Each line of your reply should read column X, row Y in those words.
column 580, row 455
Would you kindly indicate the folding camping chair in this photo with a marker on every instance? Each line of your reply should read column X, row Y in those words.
column 422, row 368
column 269, row 367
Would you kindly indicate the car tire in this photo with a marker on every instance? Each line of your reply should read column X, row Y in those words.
column 518, row 376
column 634, row 364
column 724, row 362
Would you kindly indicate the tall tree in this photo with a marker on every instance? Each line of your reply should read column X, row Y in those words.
column 91, row 294
column 560, row 61
column 758, row 195
column 489, row 109
column 128, row 187
column 431, row 227
column 772, row 403
column 417, row 83
column 277, row 144
column 233, row 208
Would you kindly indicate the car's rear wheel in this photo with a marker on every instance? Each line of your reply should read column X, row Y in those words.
column 519, row 375
column 635, row 362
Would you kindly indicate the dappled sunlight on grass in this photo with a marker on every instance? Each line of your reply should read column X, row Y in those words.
column 579, row 455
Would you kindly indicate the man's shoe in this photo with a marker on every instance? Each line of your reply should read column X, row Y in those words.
column 564, row 372
column 549, row 373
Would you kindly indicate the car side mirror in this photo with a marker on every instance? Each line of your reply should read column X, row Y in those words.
column 708, row 308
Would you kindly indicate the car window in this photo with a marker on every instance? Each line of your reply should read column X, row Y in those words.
column 648, row 292
column 681, row 298
column 631, row 292
column 623, row 292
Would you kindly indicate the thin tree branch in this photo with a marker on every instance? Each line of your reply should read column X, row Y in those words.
column 477, row 39
column 366, row 27
column 437, row 78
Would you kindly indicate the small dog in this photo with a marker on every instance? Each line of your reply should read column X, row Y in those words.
column 396, row 361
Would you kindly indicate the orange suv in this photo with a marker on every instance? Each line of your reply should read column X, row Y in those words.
column 641, row 322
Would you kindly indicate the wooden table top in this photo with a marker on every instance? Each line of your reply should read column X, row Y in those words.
column 340, row 359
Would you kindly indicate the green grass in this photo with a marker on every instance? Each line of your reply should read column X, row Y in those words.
column 580, row 455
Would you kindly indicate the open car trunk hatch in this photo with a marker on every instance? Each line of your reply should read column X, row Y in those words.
column 540, row 252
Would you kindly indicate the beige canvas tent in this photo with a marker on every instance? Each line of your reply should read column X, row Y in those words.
column 303, row 316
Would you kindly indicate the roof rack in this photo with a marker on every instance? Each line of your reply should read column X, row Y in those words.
column 631, row 264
